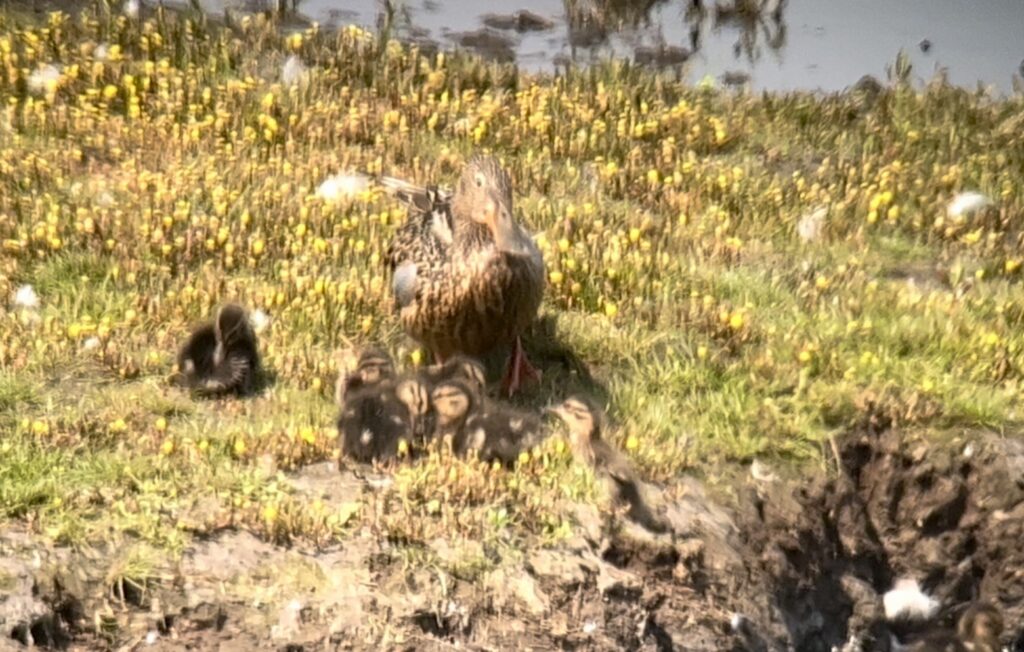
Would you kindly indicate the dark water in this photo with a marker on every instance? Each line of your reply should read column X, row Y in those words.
column 814, row 44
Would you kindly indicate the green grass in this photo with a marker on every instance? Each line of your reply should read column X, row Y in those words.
column 144, row 190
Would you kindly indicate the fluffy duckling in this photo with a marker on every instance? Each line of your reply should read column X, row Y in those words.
column 221, row 356
column 460, row 367
column 585, row 422
column 377, row 417
column 371, row 367
column 454, row 401
column 978, row 630
column 499, row 433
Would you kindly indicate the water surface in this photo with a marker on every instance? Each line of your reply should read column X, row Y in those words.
column 817, row 44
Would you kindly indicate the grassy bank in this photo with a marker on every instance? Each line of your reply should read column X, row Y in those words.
column 166, row 168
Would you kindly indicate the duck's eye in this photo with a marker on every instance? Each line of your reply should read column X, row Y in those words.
column 479, row 179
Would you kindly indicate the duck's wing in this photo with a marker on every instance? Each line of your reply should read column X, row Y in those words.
column 422, row 243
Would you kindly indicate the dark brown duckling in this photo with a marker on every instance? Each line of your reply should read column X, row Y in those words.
column 459, row 367
column 377, row 417
column 585, row 422
column 373, row 366
column 498, row 432
column 222, row 356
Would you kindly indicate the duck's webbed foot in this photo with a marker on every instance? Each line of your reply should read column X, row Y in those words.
column 521, row 373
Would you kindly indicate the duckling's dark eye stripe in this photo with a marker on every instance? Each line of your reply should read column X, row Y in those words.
column 577, row 407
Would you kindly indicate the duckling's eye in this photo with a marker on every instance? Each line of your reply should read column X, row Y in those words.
column 479, row 179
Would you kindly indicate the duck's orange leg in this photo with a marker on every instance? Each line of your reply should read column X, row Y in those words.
column 520, row 372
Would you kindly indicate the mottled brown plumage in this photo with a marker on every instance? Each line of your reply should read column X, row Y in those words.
column 466, row 277
column 497, row 432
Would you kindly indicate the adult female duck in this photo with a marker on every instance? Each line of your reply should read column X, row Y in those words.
column 466, row 277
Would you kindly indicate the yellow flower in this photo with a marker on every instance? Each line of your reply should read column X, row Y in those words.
column 308, row 435
column 203, row 446
column 610, row 309
column 40, row 427
column 416, row 357
column 632, row 443
column 257, row 247
column 118, row 426
column 403, row 447
column 524, row 458
column 109, row 92
column 167, row 447
column 270, row 514
column 161, row 424
column 702, row 352
column 240, row 447
column 805, row 356
column 736, row 321
column 556, row 278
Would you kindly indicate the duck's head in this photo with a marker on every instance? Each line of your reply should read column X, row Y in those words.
column 981, row 625
column 374, row 365
column 232, row 324
column 483, row 198
column 465, row 368
column 582, row 417
column 453, row 400
column 413, row 394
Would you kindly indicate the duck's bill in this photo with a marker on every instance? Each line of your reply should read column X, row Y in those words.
column 555, row 411
column 508, row 237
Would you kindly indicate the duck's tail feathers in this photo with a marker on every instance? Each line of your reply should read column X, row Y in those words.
column 232, row 374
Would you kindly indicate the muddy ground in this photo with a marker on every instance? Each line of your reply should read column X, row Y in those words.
column 805, row 562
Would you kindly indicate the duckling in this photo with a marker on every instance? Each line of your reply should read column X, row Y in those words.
column 373, row 366
column 461, row 367
column 221, row 356
column 377, row 417
column 454, row 402
column 977, row 630
column 500, row 433
column 466, row 277
column 585, row 422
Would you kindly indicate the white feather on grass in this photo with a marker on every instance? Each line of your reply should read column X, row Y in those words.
column 294, row 71
column 260, row 321
column 43, row 77
column 26, row 297
column 809, row 227
column 966, row 203
column 131, row 8
column 907, row 601
column 342, row 186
